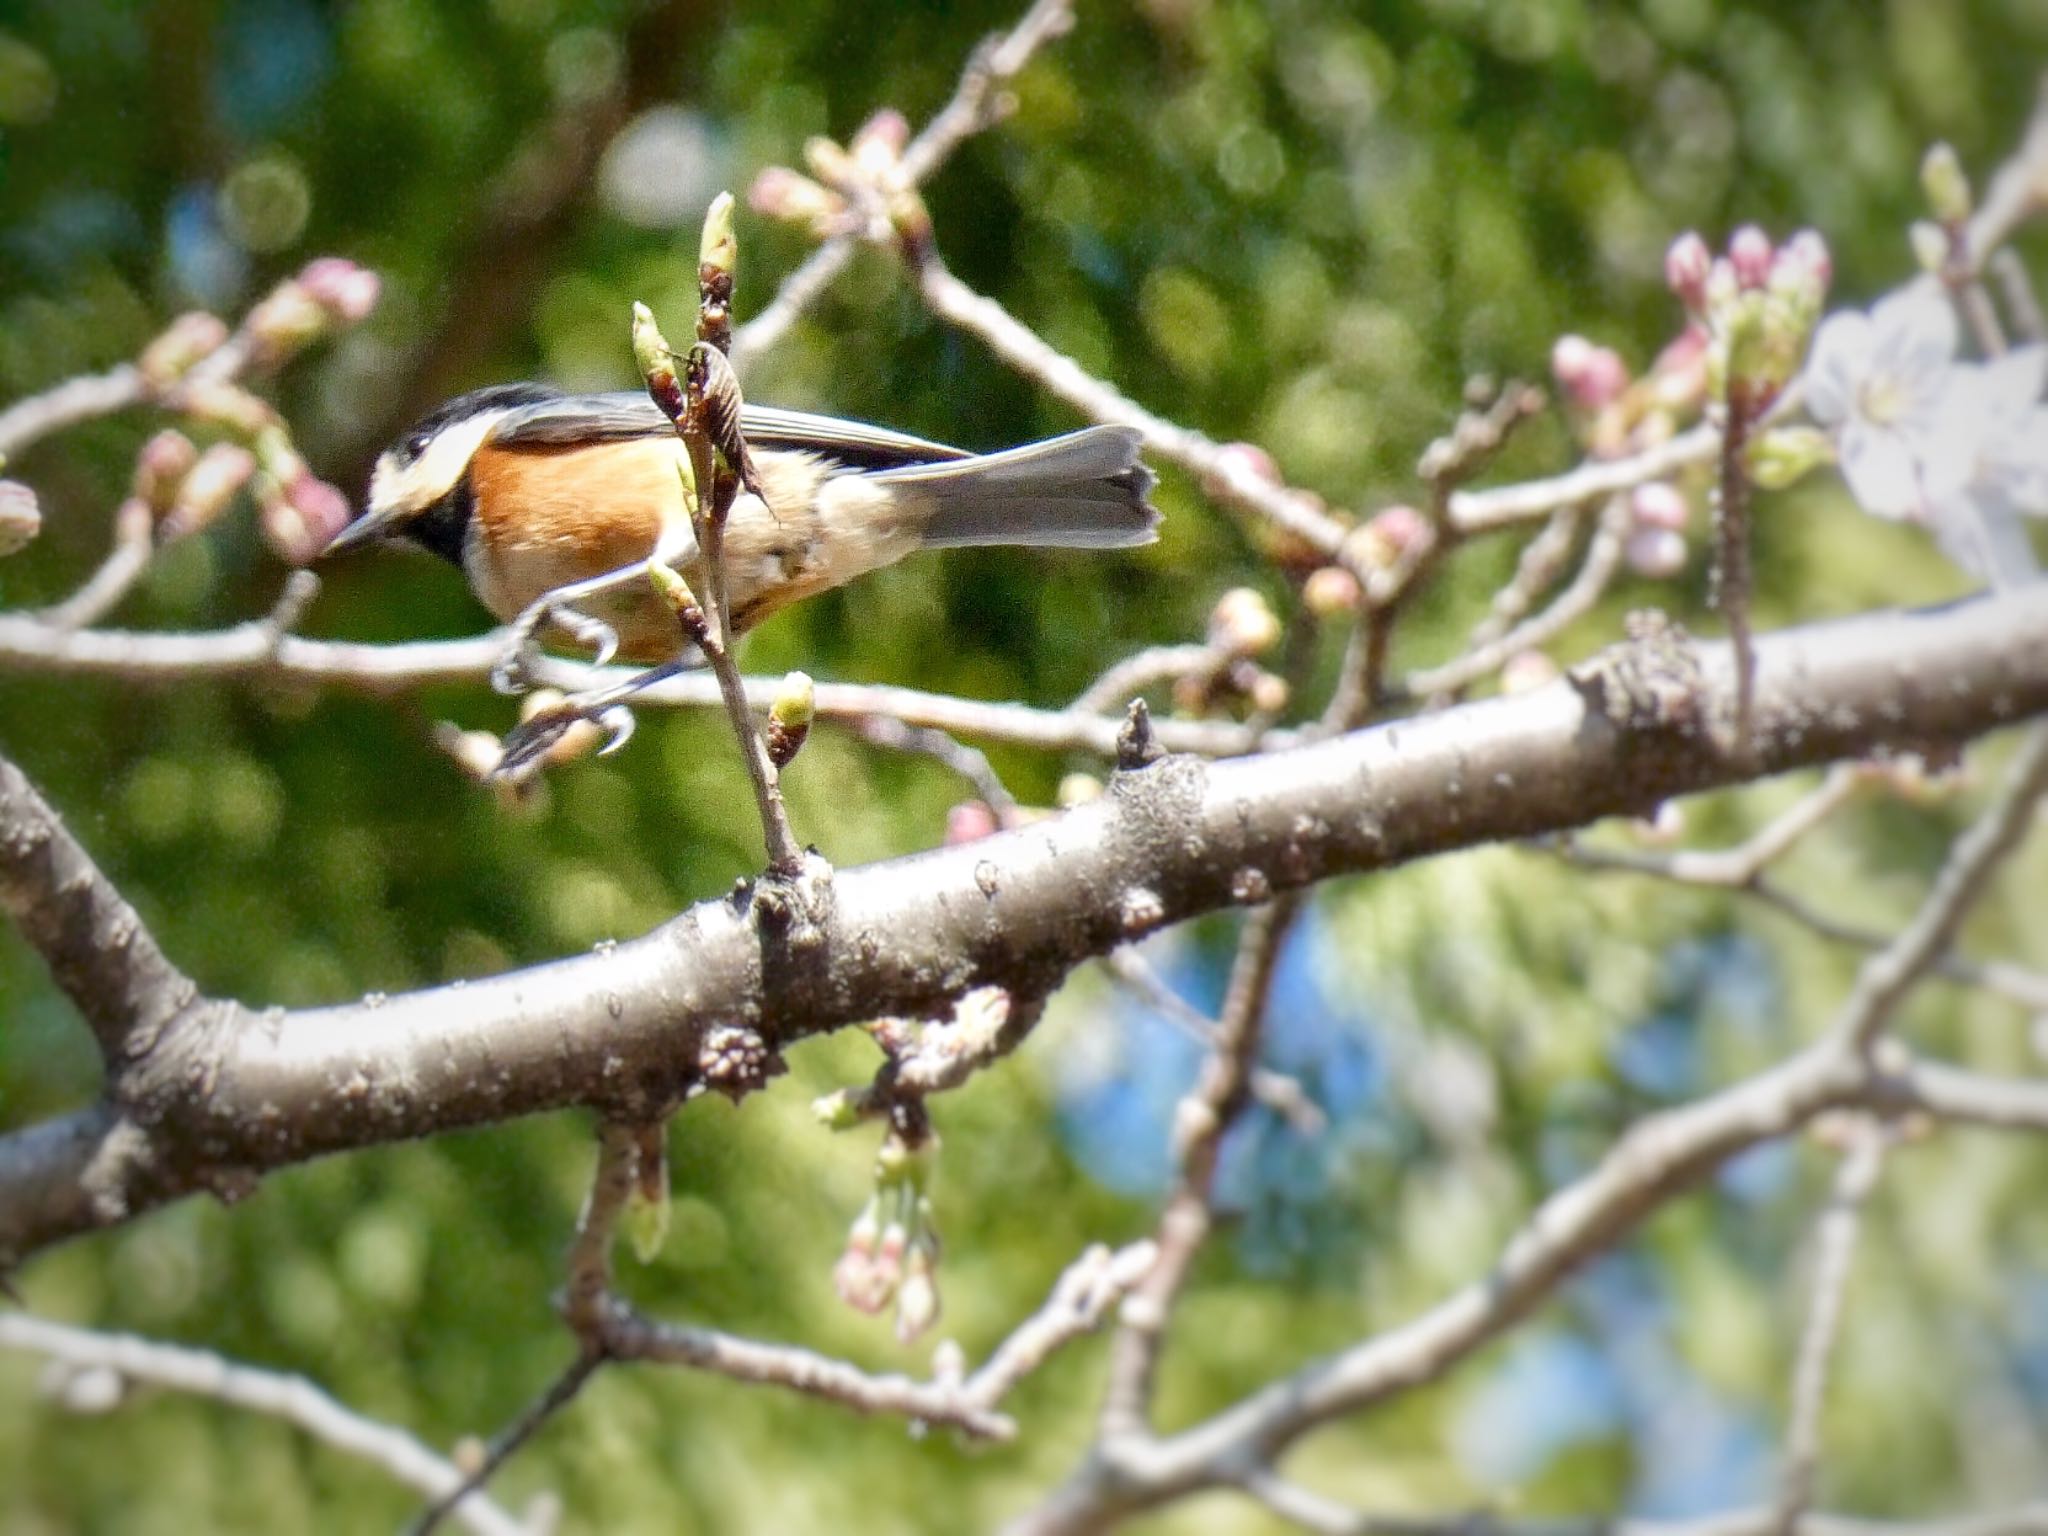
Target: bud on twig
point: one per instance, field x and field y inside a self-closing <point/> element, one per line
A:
<point x="20" y="518"/>
<point x="161" y="467"/>
<point x="675" y="591"/>
<point x="718" y="255"/>
<point x="192" y="336"/>
<point x="789" y="718"/>
<point x="716" y="388"/>
<point x="205" y="493"/>
<point x="657" y="363"/>
<point x="1947" y="185"/>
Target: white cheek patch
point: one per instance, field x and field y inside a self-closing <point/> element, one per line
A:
<point x="400" y="491"/>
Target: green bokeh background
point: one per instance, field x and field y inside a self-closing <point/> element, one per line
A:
<point x="1305" y="224"/>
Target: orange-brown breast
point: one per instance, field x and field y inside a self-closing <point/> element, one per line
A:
<point x="547" y="516"/>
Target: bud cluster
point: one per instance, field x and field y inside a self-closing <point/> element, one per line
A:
<point x="1758" y="304"/>
<point x="858" y="189"/>
<point x="892" y="1248"/>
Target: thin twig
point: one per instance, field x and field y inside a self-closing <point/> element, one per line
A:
<point x="254" y="650"/>
<point x="973" y="107"/>
<point x="1596" y="573"/>
<point x="1210" y="1107"/>
<point x="65" y="405"/>
<point x="1835" y="1243"/>
<point x="1889" y="974"/>
<point x="969" y="762"/>
<point x="115" y="577"/>
<point x="1280" y="1093"/>
<point x="509" y="1441"/>
<point x="293" y="1399"/>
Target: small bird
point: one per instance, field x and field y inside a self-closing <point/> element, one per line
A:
<point x="552" y="504"/>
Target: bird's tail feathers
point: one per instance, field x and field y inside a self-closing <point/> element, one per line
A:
<point x="1082" y="491"/>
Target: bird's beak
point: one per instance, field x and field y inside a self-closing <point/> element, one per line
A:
<point x="363" y="529"/>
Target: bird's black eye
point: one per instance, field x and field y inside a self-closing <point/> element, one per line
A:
<point x="417" y="443"/>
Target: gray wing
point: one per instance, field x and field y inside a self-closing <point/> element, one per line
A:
<point x="626" y="413"/>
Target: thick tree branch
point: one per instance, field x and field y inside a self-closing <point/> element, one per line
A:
<point x="708" y="1000"/>
<point x="95" y="945"/>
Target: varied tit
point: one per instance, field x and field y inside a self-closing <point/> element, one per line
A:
<point x="552" y="503"/>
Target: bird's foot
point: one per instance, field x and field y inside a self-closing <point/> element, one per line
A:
<point x="518" y="666"/>
<point x="545" y="733"/>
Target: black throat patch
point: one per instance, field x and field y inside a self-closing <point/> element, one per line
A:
<point x="444" y="526"/>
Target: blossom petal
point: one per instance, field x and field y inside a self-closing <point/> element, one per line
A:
<point x="2015" y="462"/>
<point x="1841" y="357"/>
<point x="1983" y="535"/>
<point x="1916" y="330"/>
<point x="2012" y="383"/>
<point x="1883" y="474"/>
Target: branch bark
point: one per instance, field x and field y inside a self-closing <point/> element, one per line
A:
<point x="710" y="998"/>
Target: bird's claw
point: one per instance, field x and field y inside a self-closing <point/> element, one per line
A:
<point x="617" y="723"/>
<point x="518" y="667"/>
<point x="595" y="633"/>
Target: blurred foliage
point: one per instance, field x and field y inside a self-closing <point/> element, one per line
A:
<point x="1303" y="223"/>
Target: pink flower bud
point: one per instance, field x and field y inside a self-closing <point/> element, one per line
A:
<point x="20" y="518"/>
<point x="161" y="467"/>
<point x="183" y="342"/>
<point x="1329" y="591"/>
<point x="1594" y="376"/>
<point x="1750" y="253"/>
<point x="1808" y="254"/>
<point x="1400" y="527"/>
<point x="301" y="517"/>
<point x="881" y="140"/>
<point x="1686" y="265"/>
<point x="284" y="322"/>
<point x="1658" y="553"/>
<point x="781" y="193"/>
<point x="1660" y="504"/>
<point x="347" y="292"/>
<point x="969" y="821"/>
<point x="1527" y="671"/>
<point x="206" y="492"/>
<point x="1241" y="623"/>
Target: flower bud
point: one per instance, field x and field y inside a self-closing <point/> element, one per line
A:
<point x="1783" y="455"/>
<point x="222" y="470"/>
<point x="1678" y="378"/>
<point x="1330" y="592"/>
<point x="675" y="591"/>
<point x="657" y="363"/>
<point x="917" y="1303"/>
<point x="1806" y="256"/>
<point x="1659" y="504"/>
<point x="301" y="516"/>
<point x="880" y="141"/>
<point x="1267" y="693"/>
<point x="1527" y="671"/>
<point x="969" y="821"/>
<point x="283" y="323"/>
<point x="1592" y="376"/>
<point x="1657" y="553"/>
<point x="1242" y="624"/>
<point x="718" y="249"/>
<point x="229" y="406"/>
<point x="1946" y="184"/>
<point x="647" y="1220"/>
<point x="192" y="336"/>
<point x="1931" y="245"/>
<point x="830" y="163"/>
<point x="20" y="518"/>
<point x="345" y="291"/>
<point x="789" y="718"/>
<point x="1686" y="265"/>
<point x="161" y="467"/>
<point x="1750" y="255"/>
<point x="780" y="193"/>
